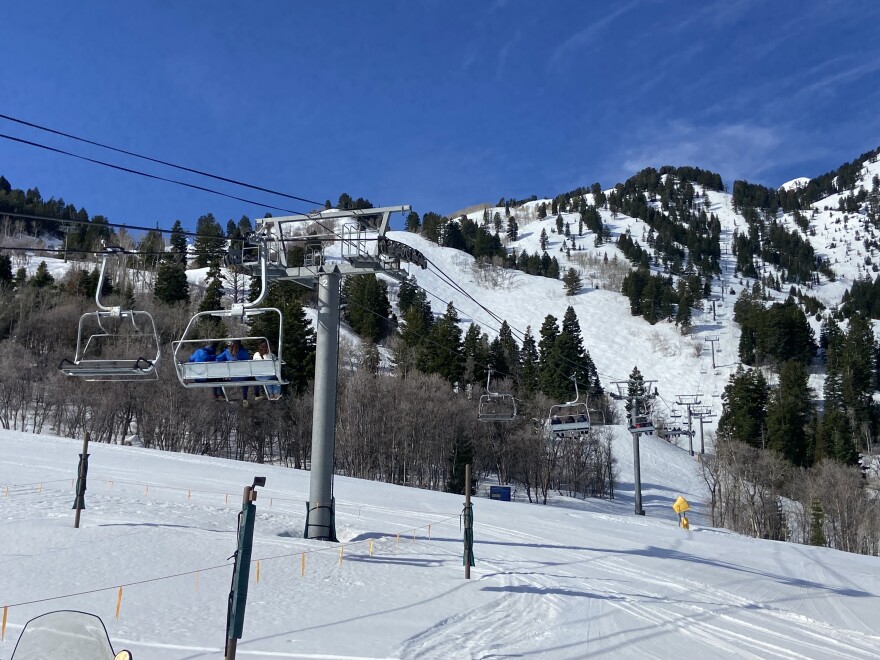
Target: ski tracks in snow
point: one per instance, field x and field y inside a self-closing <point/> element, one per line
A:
<point x="548" y="591"/>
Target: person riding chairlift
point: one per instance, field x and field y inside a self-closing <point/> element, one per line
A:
<point x="234" y="351"/>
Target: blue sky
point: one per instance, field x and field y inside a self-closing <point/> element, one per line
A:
<point x="436" y="103"/>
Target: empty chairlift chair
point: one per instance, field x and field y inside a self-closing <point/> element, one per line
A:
<point x="114" y="344"/>
<point x="496" y="407"/>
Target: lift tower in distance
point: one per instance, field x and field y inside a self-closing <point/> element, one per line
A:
<point x="363" y="249"/>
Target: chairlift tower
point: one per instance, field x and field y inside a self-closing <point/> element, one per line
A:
<point x="689" y="401"/>
<point x="703" y="413"/>
<point x="638" y="425"/>
<point x="364" y="249"/>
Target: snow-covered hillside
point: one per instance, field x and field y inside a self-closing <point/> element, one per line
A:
<point x="579" y="579"/>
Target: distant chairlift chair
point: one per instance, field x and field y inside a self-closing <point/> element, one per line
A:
<point x="235" y="373"/>
<point x="114" y="344"/>
<point x="496" y="407"/>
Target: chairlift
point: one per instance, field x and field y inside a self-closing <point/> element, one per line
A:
<point x="569" y="419"/>
<point x="641" y="422"/>
<point x="232" y="373"/>
<point x="114" y="344"/>
<point x="494" y="406"/>
<point x="596" y="415"/>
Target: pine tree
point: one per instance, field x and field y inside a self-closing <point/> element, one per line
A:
<point x="788" y="412"/>
<point x="5" y="270"/>
<point x="209" y="244"/>
<point x="42" y="277"/>
<point x="171" y="283"/>
<point x="413" y="222"/>
<point x="636" y="389"/>
<point x="443" y="353"/>
<point x="476" y="355"/>
<point x="178" y="242"/>
<point x="528" y="356"/>
<point x="543" y="239"/>
<point x="744" y="413"/>
<point x="554" y="372"/>
<point x="817" y="523"/>
<point x="367" y="308"/>
<point x="572" y="282"/>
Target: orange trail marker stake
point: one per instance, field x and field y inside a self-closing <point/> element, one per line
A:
<point x="398" y="540"/>
<point x="6" y="492"/>
<point x="414" y="536"/>
<point x="146" y="490"/>
<point x="340" y="553"/>
<point x="3" y="625"/>
<point x="40" y="489"/>
<point x="371" y="548"/>
<point x="258" y="571"/>
<point x="303" y="564"/>
<point x="197" y="580"/>
<point x="118" y="602"/>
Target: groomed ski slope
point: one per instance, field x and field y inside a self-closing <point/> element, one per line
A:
<point x="571" y="580"/>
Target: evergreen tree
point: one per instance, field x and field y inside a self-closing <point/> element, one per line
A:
<point x="744" y="412"/>
<point x="413" y="222"/>
<point x="817" y="523"/>
<point x="543" y="239"/>
<point x="443" y="354"/>
<point x="572" y="282"/>
<point x="509" y="353"/>
<point x="529" y="361"/>
<point x="209" y="244"/>
<point x="476" y="355"/>
<point x="788" y="413"/>
<point x="178" y="242"/>
<point x="636" y="389"/>
<point x="462" y="456"/>
<point x="171" y="283"/>
<point x="554" y="372"/>
<point x="42" y="277"/>
<point x="5" y="270"/>
<point x="367" y="308"/>
<point x="512" y="228"/>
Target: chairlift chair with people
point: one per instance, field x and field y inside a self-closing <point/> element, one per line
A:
<point x="569" y="419"/>
<point x="112" y="343"/>
<point x="494" y="406"/>
<point x="264" y="373"/>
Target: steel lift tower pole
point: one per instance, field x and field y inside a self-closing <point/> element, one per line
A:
<point x="320" y="516"/>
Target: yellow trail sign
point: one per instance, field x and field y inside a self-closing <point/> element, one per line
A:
<point x="681" y="505"/>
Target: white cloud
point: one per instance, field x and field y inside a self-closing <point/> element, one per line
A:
<point x="584" y="36"/>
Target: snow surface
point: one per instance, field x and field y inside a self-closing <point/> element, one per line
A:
<point x="578" y="579"/>
<point x="794" y="184"/>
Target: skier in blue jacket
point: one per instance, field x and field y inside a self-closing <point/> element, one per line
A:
<point x="234" y="351"/>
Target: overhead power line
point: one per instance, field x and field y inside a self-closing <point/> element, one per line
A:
<point x="159" y="161"/>
<point x="147" y="175"/>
